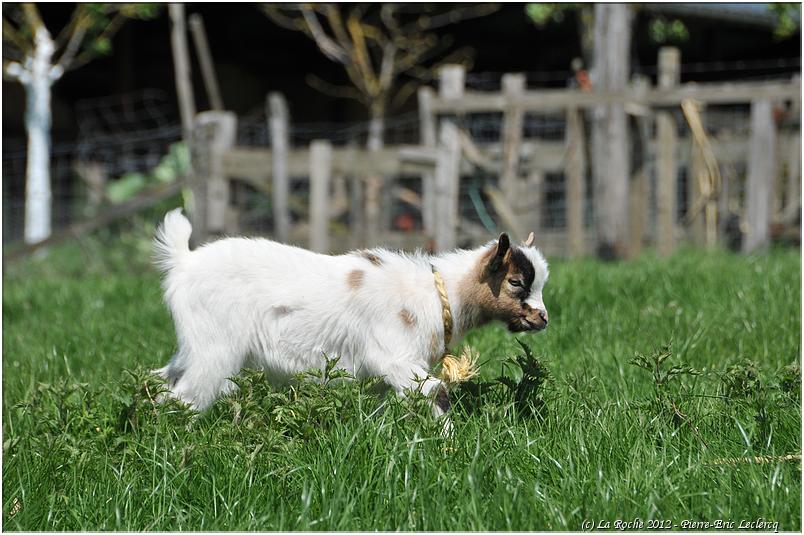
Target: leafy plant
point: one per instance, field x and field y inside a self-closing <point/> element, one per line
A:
<point x="666" y="382"/>
<point x="522" y="389"/>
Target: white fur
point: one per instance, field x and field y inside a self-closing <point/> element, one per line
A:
<point x="253" y="302"/>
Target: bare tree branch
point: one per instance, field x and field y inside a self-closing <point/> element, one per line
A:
<point x="456" y="15"/>
<point x="338" y="91"/>
<point x="361" y="55"/>
<point x="79" y="30"/>
<point x="12" y="36"/>
<point x="32" y="17"/>
<point x="335" y="21"/>
<point x="327" y="45"/>
<point x="87" y="55"/>
<point x="373" y="45"/>
<point x="280" y="19"/>
<point x="77" y="16"/>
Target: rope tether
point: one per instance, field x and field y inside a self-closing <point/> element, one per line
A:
<point x="453" y="369"/>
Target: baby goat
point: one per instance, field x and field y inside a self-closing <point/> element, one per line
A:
<point x="238" y="302"/>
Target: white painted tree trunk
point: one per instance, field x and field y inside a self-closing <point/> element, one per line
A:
<point x="373" y="181"/>
<point x="37" y="124"/>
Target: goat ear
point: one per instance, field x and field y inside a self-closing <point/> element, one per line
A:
<point x="530" y="240"/>
<point x="502" y="247"/>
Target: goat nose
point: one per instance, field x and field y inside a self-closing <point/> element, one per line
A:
<point x="543" y="315"/>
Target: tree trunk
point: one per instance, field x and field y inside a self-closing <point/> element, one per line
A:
<point x="374" y="182"/>
<point x="37" y="125"/>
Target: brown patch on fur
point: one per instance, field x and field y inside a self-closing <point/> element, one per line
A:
<point x="371" y="257"/>
<point x="355" y="278"/>
<point x="407" y="317"/>
<point x="282" y="310"/>
<point x="435" y="345"/>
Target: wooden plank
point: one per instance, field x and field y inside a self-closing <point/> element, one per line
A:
<point x="451" y="80"/>
<point x="447" y="182"/>
<point x="222" y="139"/>
<point x="205" y="59"/>
<point x="427" y="138"/>
<point x="181" y="68"/>
<point x="610" y="148"/>
<point x="320" y="173"/>
<point x="792" y="206"/>
<point x="666" y="170"/>
<point x="638" y="189"/>
<point x="761" y="170"/>
<point x="545" y="156"/>
<point x="696" y="171"/>
<point x="278" y="119"/>
<point x="513" y="86"/>
<point x="561" y="99"/>
<point x="576" y="182"/>
<point x="212" y="131"/>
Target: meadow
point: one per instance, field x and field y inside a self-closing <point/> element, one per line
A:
<point x="651" y="373"/>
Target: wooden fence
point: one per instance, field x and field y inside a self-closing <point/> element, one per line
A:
<point x="445" y="152"/>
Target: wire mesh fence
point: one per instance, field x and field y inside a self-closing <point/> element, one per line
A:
<point x="132" y="132"/>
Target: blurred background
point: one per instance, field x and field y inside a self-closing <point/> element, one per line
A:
<point x="605" y="129"/>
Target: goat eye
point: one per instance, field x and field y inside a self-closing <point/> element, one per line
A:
<point x="515" y="282"/>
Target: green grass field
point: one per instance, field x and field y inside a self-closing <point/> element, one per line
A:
<point x="600" y="439"/>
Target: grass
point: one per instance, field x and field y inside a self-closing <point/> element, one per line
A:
<point x="650" y="371"/>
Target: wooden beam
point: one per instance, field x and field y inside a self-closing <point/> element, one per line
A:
<point x="638" y="193"/>
<point x="205" y="59"/>
<point x="224" y="137"/>
<point x="666" y="170"/>
<point x="561" y="99"/>
<point x="181" y="67"/>
<point x="447" y="182"/>
<point x="761" y="172"/>
<point x="576" y="182"/>
<point x="610" y="147"/>
<point x="320" y="175"/>
<point x="513" y="86"/>
<point x="427" y="138"/>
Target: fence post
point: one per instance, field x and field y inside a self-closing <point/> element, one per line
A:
<point x="427" y="137"/>
<point x="792" y="203"/>
<point x="451" y="81"/>
<point x="666" y="171"/>
<point x="609" y="129"/>
<point x="696" y="170"/>
<point x="576" y="183"/>
<point x="447" y="183"/>
<point x="761" y="172"/>
<point x="205" y="59"/>
<point x="214" y="132"/>
<point x="638" y="189"/>
<point x="513" y="86"/>
<point x="320" y="172"/>
<point x="280" y="145"/>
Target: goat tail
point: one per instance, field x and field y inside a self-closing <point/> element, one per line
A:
<point x="172" y="240"/>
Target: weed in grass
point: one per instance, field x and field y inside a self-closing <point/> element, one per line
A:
<point x="667" y="384"/>
<point x="521" y="390"/>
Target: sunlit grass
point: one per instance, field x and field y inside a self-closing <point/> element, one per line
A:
<point x="86" y="448"/>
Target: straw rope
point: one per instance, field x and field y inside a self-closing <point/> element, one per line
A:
<point x="453" y="369"/>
